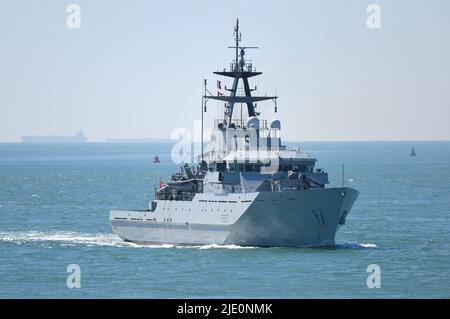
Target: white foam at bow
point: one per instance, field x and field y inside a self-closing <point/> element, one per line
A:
<point x="356" y="245"/>
<point x="225" y="247"/>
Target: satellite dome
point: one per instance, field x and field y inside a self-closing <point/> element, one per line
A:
<point x="276" y="124"/>
<point x="253" y="122"/>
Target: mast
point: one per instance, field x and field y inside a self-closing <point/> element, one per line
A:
<point x="240" y="69"/>
<point x="237" y="37"/>
<point x="202" y="120"/>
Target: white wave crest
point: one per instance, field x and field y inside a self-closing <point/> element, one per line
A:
<point x="356" y="246"/>
<point x="368" y="245"/>
<point x="215" y="246"/>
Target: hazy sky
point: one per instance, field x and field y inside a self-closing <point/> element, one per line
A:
<point x="136" y="68"/>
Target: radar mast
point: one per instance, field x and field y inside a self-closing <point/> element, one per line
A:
<point x="239" y="69"/>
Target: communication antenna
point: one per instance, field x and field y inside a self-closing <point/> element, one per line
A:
<point x="203" y="110"/>
<point x="238" y="38"/>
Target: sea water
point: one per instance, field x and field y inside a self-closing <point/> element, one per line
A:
<point x="55" y="202"/>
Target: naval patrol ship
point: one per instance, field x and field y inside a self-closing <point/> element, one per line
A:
<point x="247" y="189"/>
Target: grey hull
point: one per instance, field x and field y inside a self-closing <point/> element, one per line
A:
<point x="286" y="219"/>
<point x="175" y="234"/>
<point x="304" y="218"/>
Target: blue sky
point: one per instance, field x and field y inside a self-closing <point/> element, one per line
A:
<point x="136" y="68"/>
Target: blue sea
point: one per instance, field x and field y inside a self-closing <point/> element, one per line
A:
<point x="55" y="201"/>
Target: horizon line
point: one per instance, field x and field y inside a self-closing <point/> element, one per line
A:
<point x="164" y="140"/>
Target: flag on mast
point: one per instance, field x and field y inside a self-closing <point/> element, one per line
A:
<point x="219" y="88"/>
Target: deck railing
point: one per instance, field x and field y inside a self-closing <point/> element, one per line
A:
<point x="184" y="196"/>
<point x="240" y="123"/>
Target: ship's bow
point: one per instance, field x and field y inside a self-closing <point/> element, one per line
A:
<point x="294" y="218"/>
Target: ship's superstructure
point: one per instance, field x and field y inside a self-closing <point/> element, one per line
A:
<point x="248" y="188"/>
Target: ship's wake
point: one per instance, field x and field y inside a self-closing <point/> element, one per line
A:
<point x="69" y="238"/>
<point x="64" y="238"/>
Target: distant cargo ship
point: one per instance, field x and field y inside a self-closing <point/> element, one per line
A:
<point x="78" y="137"/>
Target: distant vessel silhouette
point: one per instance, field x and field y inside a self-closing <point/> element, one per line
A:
<point x="413" y="152"/>
<point x="156" y="159"/>
<point x="78" y="137"/>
